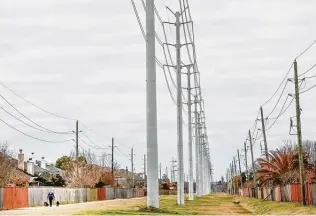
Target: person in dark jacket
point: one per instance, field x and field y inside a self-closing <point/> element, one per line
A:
<point x="51" y="197"/>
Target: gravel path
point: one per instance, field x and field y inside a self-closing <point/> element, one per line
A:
<point x="72" y="209"/>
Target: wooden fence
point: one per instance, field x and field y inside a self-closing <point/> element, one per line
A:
<point x="288" y="193"/>
<point x="15" y="197"/>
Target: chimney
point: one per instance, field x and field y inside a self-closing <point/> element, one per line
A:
<point x="43" y="163"/>
<point x="30" y="167"/>
<point x="21" y="160"/>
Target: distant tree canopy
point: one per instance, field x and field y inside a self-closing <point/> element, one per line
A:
<point x="64" y="160"/>
<point x="60" y="162"/>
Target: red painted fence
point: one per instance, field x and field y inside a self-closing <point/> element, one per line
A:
<point x="289" y="193"/>
<point x="15" y="198"/>
<point x="101" y="192"/>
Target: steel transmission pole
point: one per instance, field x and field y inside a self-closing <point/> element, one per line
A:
<point x="264" y="135"/>
<point x="200" y="154"/>
<point x="197" y="138"/>
<point x="180" y="177"/>
<point x="299" y="133"/>
<point x="191" y="195"/>
<point x="151" y="108"/>
<point x="253" y="165"/>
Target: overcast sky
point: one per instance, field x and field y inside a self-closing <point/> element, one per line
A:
<point x="85" y="59"/>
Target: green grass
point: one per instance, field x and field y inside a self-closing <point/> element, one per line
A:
<point x="273" y="207"/>
<point x="168" y="206"/>
<point x="215" y="204"/>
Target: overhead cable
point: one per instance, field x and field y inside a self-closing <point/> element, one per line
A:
<point x="68" y="132"/>
<point x="33" y="137"/>
<point x="29" y="102"/>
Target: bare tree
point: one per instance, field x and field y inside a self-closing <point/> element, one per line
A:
<point x="88" y="170"/>
<point x="9" y="174"/>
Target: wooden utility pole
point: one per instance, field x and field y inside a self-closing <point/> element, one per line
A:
<point x="77" y="140"/>
<point x="235" y="172"/>
<point x="160" y="173"/>
<point x="299" y="133"/>
<point x="232" y="177"/>
<point x="132" y="166"/>
<point x="145" y="175"/>
<point x="264" y="135"/>
<point x="112" y="164"/>
<point x="246" y="160"/>
<point x="253" y="165"/>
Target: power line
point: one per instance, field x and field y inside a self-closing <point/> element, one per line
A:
<point x="138" y="19"/>
<point x="121" y="152"/>
<point x="30" y="136"/>
<point x="281" y="112"/>
<point x="31" y="119"/>
<point x="310" y="77"/>
<point x="256" y="122"/>
<point x="311" y="68"/>
<point x="92" y="141"/>
<point x="92" y="146"/>
<point x="169" y="89"/>
<point x="29" y="102"/>
<point x="278" y="100"/>
<point x="308" y="89"/>
<point x="20" y="120"/>
<point x="306" y="49"/>
<point x="285" y="77"/>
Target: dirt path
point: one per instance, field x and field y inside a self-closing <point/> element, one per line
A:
<point x="72" y="209"/>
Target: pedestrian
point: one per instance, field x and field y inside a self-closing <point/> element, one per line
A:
<point x="51" y="197"/>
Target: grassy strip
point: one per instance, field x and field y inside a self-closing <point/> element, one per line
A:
<point x="215" y="204"/>
<point x="258" y="206"/>
<point x="206" y="205"/>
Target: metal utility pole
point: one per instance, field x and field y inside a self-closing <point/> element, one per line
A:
<point x="132" y="166"/>
<point x="171" y="174"/>
<point x="112" y="158"/>
<point x="235" y="172"/>
<point x="253" y="165"/>
<point x="235" y="167"/>
<point x="232" y="177"/>
<point x="151" y="108"/>
<point x="77" y="140"/>
<point x="190" y="181"/>
<point x="180" y="186"/>
<point x="246" y="162"/>
<point x="239" y="168"/>
<point x="299" y="132"/>
<point x="145" y="175"/>
<point x="166" y="171"/>
<point x="173" y="170"/>
<point x="160" y="173"/>
<point x="197" y="139"/>
<point x="264" y="135"/>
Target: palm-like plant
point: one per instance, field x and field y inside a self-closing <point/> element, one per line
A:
<point x="282" y="167"/>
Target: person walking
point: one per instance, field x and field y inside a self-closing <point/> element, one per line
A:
<point x="51" y="197"/>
